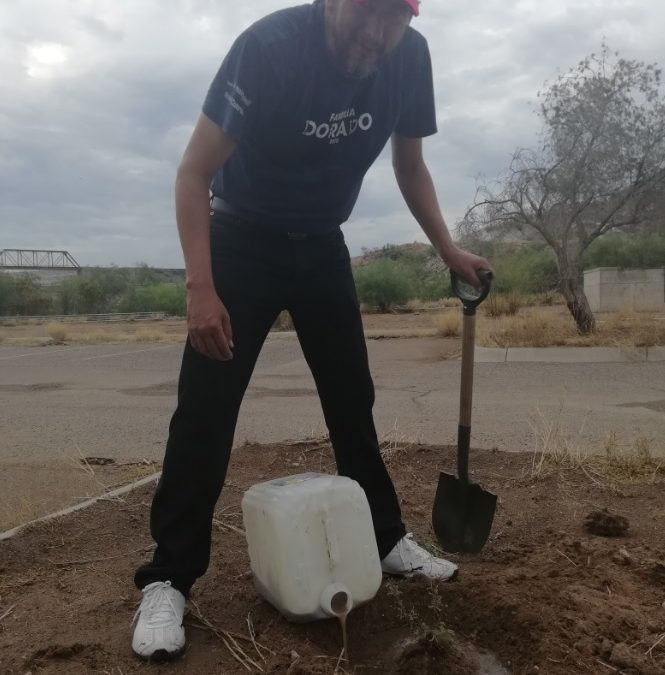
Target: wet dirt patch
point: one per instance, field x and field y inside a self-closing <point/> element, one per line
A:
<point x="606" y="524"/>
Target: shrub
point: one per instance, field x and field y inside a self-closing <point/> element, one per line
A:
<point x="624" y="249"/>
<point x="22" y="294"/>
<point x="169" y="298"/>
<point x="384" y="284"/>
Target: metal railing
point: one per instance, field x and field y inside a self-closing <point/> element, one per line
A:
<point x="74" y="318"/>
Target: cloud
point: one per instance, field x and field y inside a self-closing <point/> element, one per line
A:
<point x="100" y="96"/>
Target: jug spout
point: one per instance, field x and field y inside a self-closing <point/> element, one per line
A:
<point x="336" y="600"/>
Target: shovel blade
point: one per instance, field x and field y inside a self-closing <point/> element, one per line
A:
<point x="462" y="515"/>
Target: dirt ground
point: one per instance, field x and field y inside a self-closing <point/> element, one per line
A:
<point x="544" y="596"/>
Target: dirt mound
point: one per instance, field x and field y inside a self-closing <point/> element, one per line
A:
<point x="543" y="596"/>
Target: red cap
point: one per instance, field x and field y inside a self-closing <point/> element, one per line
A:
<point x="413" y="5"/>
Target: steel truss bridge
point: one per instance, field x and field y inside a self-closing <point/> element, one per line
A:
<point x="18" y="258"/>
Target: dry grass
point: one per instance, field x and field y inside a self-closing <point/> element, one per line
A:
<point x="554" y="326"/>
<point x="637" y="459"/>
<point x="2" y="338"/>
<point x="448" y="324"/>
<point x="532" y="328"/>
<point x="57" y="332"/>
<point x="502" y="305"/>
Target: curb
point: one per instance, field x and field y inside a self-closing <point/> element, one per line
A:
<point x="83" y="505"/>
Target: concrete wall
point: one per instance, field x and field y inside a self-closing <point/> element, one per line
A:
<point x="611" y="288"/>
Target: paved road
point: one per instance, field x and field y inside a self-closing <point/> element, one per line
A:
<point x="116" y="400"/>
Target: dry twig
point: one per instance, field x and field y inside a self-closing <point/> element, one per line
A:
<point x="566" y="557"/>
<point x="655" y="644"/>
<point x="238" y="653"/>
<point x="8" y="612"/>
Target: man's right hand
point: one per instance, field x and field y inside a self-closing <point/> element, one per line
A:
<point x="209" y="324"/>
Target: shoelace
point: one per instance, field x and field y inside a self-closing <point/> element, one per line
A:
<point x="159" y="608"/>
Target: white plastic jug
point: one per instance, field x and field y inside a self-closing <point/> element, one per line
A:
<point x="311" y="545"/>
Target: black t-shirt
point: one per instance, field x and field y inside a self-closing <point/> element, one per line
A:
<point x="306" y="134"/>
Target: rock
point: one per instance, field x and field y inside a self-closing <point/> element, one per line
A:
<point x="622" y="557"/>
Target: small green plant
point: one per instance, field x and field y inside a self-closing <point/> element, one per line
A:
<point x="441" y="637"/>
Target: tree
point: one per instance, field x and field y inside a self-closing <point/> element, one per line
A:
<point x="599" y="166"/>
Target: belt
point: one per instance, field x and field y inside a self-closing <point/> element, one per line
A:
<point x="218" y="205"/>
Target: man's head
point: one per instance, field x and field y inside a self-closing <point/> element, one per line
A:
<point x="360" y="33"/>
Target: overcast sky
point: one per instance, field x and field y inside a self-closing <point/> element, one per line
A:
<point x="98" y="98"/>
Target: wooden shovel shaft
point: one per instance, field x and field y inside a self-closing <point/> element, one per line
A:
<point x="466" y="394"/>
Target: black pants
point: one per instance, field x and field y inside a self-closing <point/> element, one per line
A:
<point x="257" y="276"/>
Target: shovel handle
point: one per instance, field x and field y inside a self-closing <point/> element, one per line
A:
<point x="466" y="395"/>
<point x="470" y="298"/>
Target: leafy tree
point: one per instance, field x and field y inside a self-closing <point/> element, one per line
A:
<point x="599" y="166"/>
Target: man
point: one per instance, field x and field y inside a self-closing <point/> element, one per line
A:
<point x="300" y="109"/>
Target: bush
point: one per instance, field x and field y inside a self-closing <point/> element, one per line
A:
<point x="96" y="291"/>
<point x="384" y="284"/>
<point x="624" y="250"/>
<point x="528" y="269"/>
<point x="22" y="294"/>
<point x="169" y="298"/>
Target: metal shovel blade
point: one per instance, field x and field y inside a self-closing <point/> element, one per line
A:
<point x="462" y="514"/>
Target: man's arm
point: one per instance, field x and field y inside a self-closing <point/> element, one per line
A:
<point x="208" y="322"/>
<point x="415" y="183"/>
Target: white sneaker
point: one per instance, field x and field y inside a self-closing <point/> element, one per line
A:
<point x="159" y="634"/>
<point x="409" y="559"/>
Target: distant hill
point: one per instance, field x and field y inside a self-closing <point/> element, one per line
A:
<point x="415" y="252"/>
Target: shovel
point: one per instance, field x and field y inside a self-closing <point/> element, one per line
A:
<point x="463" y="512"/>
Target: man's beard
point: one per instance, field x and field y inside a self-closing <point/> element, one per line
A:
<point x="357" y="62"/>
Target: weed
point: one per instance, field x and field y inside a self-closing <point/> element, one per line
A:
<point x="57" y="332"/>
<point x="448" y="324"/>
<point x="441" y="637"/>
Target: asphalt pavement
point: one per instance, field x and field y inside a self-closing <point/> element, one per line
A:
<point x="116" y="400"/>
